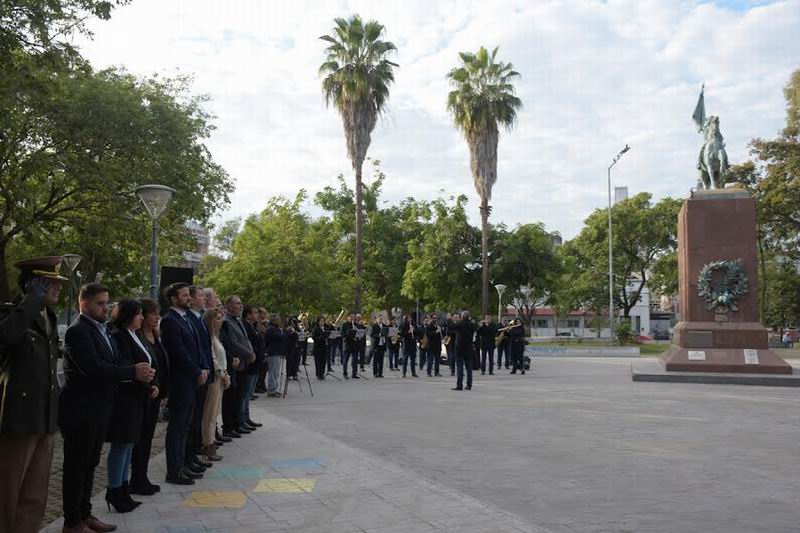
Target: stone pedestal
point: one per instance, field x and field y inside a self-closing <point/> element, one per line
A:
<point x="716" y="225"/>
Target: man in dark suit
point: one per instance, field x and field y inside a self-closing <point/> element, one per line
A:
<point x="28" y="394"/>
<point x="91" y="375"/>
<point x="465" y="333"/>
<point x="348" y="331"/>
<point x="487" y="331"/>
<point x="239" y="353"/>
<point x="197" y="303"/>
<point x="186" y="375"/>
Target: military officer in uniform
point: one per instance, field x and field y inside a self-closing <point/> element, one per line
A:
<point x="28" y="394"/>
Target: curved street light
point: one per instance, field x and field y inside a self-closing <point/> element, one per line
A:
<point x="610" y="252"/>
<point x="500" y="290"/>
<point x="155" y="199"/>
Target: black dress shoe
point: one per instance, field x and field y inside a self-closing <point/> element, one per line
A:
<point x="356" y="376"/>
<point x="414" y="375"/>
<point x="197" y="470"/>
<point x="468" y="388"/>
<point x="180" y="479"/>
<point x="230" y="435"/>
<point x="204" y="464"/>
<point x="143" y="490"/>
<point x="188" y="473"/>
<point x="253" y="397"/>
<point x="457" y="388"/>
<point x="243" y="429"/>
<point x="254" y="424"/>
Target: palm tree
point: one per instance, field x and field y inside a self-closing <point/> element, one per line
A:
<point x="356" y="81"/>
<point x="483" y="98"/>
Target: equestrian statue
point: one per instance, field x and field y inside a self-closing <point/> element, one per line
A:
<point x="713" y="160"/>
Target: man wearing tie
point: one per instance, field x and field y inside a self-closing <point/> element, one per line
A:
<point x="197" y="304"/>
<point x="186" y="375"/>
<point x="91" y="374"/>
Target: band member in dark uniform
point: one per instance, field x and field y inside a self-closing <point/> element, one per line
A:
<point x="379" y="347"/>
<point x="450" y="344"/>
<point x="434" y="333"/>
<point x="293" y="344"/>
<point x="517" y="343"/>
<point x="394" y="345"/>
<point x="422" y="341"/>
<point x="320" y="336"/>
<point x="486" y="333"/>
<point x="503" y="346"/>
<point x="407" y="331"/>
<point x="361" y="341"/>
<point x="465" y="334"/>
<point x="350" y="349"/>
<point x="333" y="338"/>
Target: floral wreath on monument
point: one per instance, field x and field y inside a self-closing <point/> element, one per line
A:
<point x="728" y="289"/>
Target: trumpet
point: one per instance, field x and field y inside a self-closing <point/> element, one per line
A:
<point x="446" y="340"/>
<point x="338" y="319"/>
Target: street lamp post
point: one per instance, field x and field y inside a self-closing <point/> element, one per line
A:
<point x="155" y="199"/>
<point x="500" y="290"/>
<point x="610" y="252"/>
<point x="71" y="260"/>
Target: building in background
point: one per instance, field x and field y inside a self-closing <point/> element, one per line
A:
<point x="192" y="258"/>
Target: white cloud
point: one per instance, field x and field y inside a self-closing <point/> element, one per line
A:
<point x="595" y="75"/>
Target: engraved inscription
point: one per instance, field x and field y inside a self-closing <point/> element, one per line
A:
<point x="697" y="355"/>
<point x="699" y="339"/>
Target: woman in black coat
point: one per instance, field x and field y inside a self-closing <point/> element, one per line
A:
<point x="130" y="402"/>
<point x="149" y="335"/>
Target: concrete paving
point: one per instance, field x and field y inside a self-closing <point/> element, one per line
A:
<point x="573" y="446"/>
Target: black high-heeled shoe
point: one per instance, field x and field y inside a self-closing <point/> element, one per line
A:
<point x="116" y="498"/>
<point x="126" y="492"/>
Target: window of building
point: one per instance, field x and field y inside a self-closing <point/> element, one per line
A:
<point x="541" y="323"/>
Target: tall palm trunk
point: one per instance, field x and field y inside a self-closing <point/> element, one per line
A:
<point x="485" y="210"/>
<point x="359" y="274"/>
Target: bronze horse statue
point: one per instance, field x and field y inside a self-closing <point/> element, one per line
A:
<point x="713" y="160"/>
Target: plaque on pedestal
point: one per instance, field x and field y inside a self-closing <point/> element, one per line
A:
<point x="718" y="288"/>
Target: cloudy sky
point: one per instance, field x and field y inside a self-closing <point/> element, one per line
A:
<point x="595" y="76"/>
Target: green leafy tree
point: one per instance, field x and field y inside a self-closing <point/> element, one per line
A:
<point x="386" y="233"/>
<point x="356" y="80"/>
<point x="783" y="301"/>
<point x="483" y="99"/>
<point x="36" y="26"/>
<point x="75" y="145"/>
<point x="282" y="260"/>
<point x="527" y="258"/>
<point x="643" y="234"/>
<point x="443" y="269"/>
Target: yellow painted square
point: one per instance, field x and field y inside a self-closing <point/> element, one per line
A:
<point x="286" y="485"/>
<point x="208" y="498"/>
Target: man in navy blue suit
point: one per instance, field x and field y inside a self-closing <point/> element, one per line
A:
<point x="186" y="375"/>
<point x="197" y="303"/>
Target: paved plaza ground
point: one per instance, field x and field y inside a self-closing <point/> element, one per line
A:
<point x="573" y="446"/>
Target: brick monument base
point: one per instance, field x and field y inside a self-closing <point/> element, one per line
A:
<point x="719" y="225"/>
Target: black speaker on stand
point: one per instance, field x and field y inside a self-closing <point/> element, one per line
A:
<point x="170" y="275"/>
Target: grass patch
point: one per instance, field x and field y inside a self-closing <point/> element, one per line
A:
<point x="652" y="350"/>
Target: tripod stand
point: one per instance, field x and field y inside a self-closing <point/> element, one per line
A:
<point x="286" y="382"/>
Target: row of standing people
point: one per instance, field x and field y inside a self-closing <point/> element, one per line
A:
<point x="406" y="341"/>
